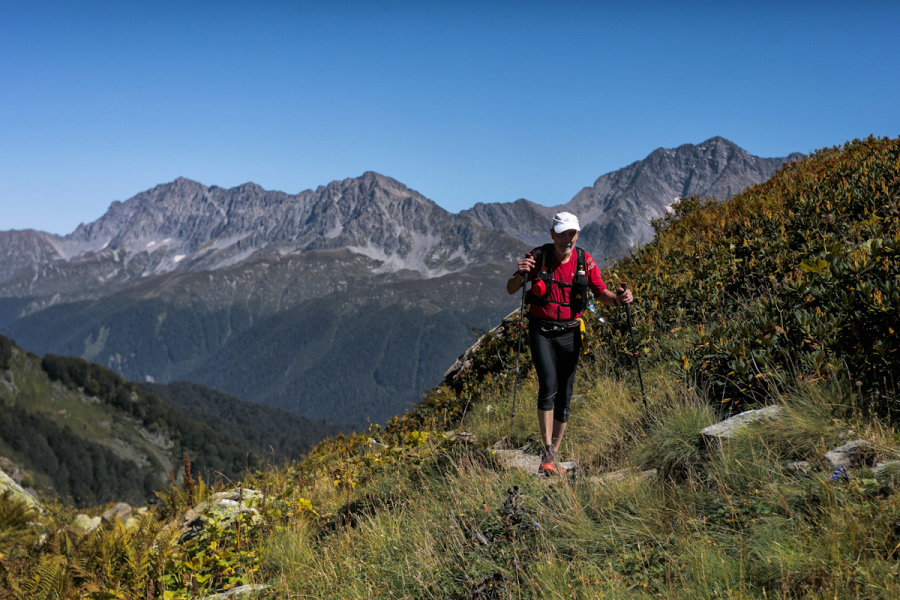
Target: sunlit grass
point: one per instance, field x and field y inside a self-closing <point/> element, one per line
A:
<point x="724" y="520"/>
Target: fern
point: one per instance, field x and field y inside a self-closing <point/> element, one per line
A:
<point x="14" y="519"/>
<point x="50" y="580"/>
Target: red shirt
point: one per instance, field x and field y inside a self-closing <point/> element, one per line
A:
<point x="565" y="273"/>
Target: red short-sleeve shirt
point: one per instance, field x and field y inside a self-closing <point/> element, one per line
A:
<point x="566" y="273"/>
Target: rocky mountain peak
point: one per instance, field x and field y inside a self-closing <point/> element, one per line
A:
<point x="616" y="211"/>
<point x="186" y="226"/>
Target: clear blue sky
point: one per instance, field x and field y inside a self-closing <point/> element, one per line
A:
<point x="463" y="101"/>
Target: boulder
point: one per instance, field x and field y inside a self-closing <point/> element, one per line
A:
<point x="120" y="511"/>
<point x="729" y="427"/>
<point x="236" y="592"/>
<point x="374" y="445"/>
<point x="17" y="492"/>
<point x="13" y="470"/>
<point x="623" y="475"/>
<point x="520" y="459"/>
<point x="465" y="438"/>
<point x="502" y="444"/>
<point x="797" y="466"/>
<point x="86" y="524"/>
<point x="222" y="508"/>
<point x="852" y="455"/>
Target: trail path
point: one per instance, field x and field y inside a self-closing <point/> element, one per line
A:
<point x="521" y="459"/>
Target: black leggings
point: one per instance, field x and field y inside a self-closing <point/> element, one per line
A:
<point x="555" y="357"/>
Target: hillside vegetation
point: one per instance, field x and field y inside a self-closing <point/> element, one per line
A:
<point x="93" y="437"/>
<point x="273" y="434"/>
<point x="786" y="294"/>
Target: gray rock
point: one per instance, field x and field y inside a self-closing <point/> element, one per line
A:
<point x="17" y="492"/>
<point x="502" y="444"/>
<point x="121" y="511"/>
<point x="465" y="437"/>
<point x="729" y="427"/>
<point x="238" y="591"/>
<point x="624" y="475"/>
<point x="223" y="507"/>
<point x="519" y="459"/>
<point x="8" y="380"/>
<point x="478" y="537"/>
<point x="851" y="455"/>
<point x="86" y="524"/>
<point x="13" y="470"/>
<point x="374" y="445"/>
<point x="797" y="466"/>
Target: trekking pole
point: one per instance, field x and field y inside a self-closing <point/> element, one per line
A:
<point x="634" y="346"/>
<point x="519" y="346"/>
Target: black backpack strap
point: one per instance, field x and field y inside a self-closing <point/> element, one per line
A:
<point x="546" y="250"/>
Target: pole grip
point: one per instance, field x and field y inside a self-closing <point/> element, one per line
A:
<point x="527" y="255"/>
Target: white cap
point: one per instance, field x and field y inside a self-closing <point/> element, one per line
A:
<point x="565" y="221"/>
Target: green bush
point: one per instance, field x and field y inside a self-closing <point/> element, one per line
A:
<point x="796" y="277"/>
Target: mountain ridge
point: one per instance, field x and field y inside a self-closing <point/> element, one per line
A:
<point x="616" y="211"/>
<point x="186" y="226"/>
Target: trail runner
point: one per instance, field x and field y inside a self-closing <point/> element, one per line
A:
<point x="553" y="329"/>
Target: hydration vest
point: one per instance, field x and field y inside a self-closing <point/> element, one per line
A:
<point x="539" y="295"/>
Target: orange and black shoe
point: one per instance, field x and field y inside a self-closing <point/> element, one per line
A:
<point x="550" y="466"/>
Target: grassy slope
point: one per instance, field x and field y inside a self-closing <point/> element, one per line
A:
<point x="427" y="517"/>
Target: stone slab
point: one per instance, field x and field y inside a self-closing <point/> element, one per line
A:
<point x="729" y="427"/>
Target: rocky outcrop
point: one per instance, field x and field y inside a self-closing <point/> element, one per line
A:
<point x="729" y="427"/>
<point x="221" y="508"/>
<point x="856" y="454"/>
<point x="122" y="512"/>
<point x="852" y="455"/>
<point x="85" y="523"/>
<point x="522" y="458"/>
<point x="18" y="493"/>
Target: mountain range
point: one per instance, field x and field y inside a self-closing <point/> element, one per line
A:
<point x="339" y="303"/>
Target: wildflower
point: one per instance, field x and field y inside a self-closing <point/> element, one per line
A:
<point x="840" y="474"/>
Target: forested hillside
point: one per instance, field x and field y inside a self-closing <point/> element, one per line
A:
<point x="95" y="437"/>
<point x="275" y="435"/>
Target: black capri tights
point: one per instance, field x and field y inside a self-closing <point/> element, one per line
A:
<point x="555" y="358"/>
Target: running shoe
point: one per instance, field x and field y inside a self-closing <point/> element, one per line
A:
<point x="550" y="466"/>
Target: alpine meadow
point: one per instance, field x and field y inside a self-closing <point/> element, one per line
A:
<point x="783" y="300"/>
